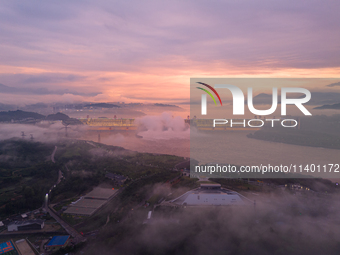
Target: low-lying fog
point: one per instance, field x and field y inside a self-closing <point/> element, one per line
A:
<point x="281" y="223"/>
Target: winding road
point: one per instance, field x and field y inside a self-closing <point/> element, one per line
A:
<point x="53" y="153"/>
<point x="69" y="229"/>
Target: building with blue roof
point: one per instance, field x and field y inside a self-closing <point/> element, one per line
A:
<point x="57" y="242"/>
<point x="8" y="248"/>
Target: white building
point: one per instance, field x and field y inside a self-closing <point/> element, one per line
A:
<point x="211" y="194"/>
<point x="25" y="225"/>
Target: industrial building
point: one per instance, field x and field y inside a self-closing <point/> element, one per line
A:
<point x="210" y="194"/>
<point x="25" y="225"/>
<point x="57" y="242"/>
<point x="85" y="206"/>
<point x="91" y="202"/>
<point x="100" y="193"/>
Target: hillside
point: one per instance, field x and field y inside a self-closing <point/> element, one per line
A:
<point x="57" y="116"/>
<point x="329" y="106"/>
<point x="19" y="115"/>
<point x="32" y="117"/>
<point x="27" y="172"/>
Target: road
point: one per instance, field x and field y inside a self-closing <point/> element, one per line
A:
<point x="60" y="175"/>
<point x="69" y="229"/>
<point x="53" y="153"/>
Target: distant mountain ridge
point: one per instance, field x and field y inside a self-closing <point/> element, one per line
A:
<point x="57" y="116"/>
<point x="102" y="105"/>
<point x="329" y="106"/>
<point x="166" y="105"/>
<point x="41" y="91"/>
<point x="19" y="115"/>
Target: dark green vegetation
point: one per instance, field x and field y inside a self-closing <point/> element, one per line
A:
<point x="24" y="116"/>
<point x="65" y="119"/>
<point x="57" y="116"/>
<point x="89" y="162"/>
<point x="322" y="186"/>
<point x="130" y="198"/>
<point x="86" y="164"/>
<point x="316" y="131"/>
<point x="282" y="224"/>
<point x="19" y="115"/>
<point x="26" y="174"/>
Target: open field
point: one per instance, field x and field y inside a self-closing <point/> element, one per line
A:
<point x="24" y="247"/>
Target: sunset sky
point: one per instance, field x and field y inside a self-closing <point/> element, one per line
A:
<point x="146" y="51"/>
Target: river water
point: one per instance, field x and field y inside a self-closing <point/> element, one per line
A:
<point x="233" y="148"/>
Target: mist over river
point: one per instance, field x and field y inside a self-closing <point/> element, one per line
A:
<point x="235" y="148"/>
<point x="168" y="134"/>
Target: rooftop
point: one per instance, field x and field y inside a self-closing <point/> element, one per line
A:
<point x="89" y="203"/>
<point x="211" y="194"/>
<point x="6" y="247"/>
<point x="80" y="210"/>
<point x="101" y="193"/>
<point x="58" y="241"/>
<point x="26" y="222"/>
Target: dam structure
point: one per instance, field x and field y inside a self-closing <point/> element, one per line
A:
<point x="108" y="124"/>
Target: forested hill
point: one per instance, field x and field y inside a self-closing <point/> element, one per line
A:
<point x="19" y="115"/>
<point x="22" y="115"/>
